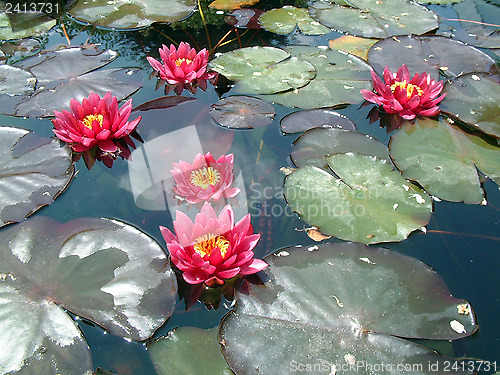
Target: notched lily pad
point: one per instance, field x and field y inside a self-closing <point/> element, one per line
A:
<point x="33" y="172"/>
<point x="129" y="14"/>
<point x="443" y="159"/>
<point x="349" y="305"/>
<point x="368" y="202"/>
<point x="242" y="112"/>
<point x="286" y="19"/>
<point x="301" y="121"/>
<point x="375" y="19"/>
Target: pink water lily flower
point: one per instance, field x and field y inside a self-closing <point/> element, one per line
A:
<point x="94" y="122"/>
<point x="205" y="180"/>
<point x="408" y="98"/>
<point x="212" y="248"/>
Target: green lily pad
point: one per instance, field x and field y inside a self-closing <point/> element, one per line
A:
<point x="473" y="99"/>
<point x="284" y="21"/>
<point x="312" y="146"/>
<point x="354" y="45"/>
<point x="33" y="172"/>
<point x="263" y="70"/>
<point x="338" y="80"/>
<point x="369" y="202"/>
<point x="188" y="350"/>
<point x="338" y="307"/>
<point x="301" y="121"/>
<point x="435" y="55"/>
<point x="375" y="19"/>
<point x="242" y="112"/>
<point x="130" y="14"/>
<point x="22" y="25"/>
<point x="443" y="159"/>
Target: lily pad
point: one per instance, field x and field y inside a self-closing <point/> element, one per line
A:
<point x="341" y="308"/>
<point x="369" y="202"/>
<point x="33" y="172"/>
<point x="443" y="159"/>
<point x="242" y="112"/>
<point x="301" y="121"/>
<point x="189" y="350"/>
<point x="263" y="70"/>
<point x="130" y="14"/>
<point x="231" y="4"/>
<point x="15" y="84"/>
<point x="312" y="146"/>
<point x="431" y="54"/>
<point x="473" y="99"/>
<point x="101" y="269"/>
<point x="73" y="73"/>
<point x="286" y="19"/>
<point x="338" y="80"/>
<point x="22" y="25"/>
<point x="375" y="19"/>
<point x="353" y="45"/>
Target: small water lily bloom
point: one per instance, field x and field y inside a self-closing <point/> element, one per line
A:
<point x="95" y="122"/>
<point x="213" y="248"/>
<point x="409" y="98"/>
<point x="205" y="180"/>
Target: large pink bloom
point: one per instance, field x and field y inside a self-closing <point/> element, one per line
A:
<point x="94" y="122"/>
<point x="212" y="248"/>
<point x="182" y="65"/>
<point x="204" y="180"/>
<point x="399" y="94"/>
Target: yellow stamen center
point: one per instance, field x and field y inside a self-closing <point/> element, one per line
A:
<point x="208" y="242"/>
<point x="178" y="62"/>
<point x="205" y="177"/>
<point x="410" y="88"/>
<point x="88" y="120"/>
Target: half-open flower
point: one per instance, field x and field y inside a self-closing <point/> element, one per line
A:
<point x="95" y="122"/>
<point x="212" y="248"/>
<point x="409" y="98"/>
<point x="205" y="180"/>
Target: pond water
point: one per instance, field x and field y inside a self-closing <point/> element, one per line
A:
<point x="461" y="242"/>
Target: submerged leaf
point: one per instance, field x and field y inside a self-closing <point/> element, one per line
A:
<point x="301" y="121"/>
<point x="286" y="19"/>
<point x="242" y="112"/>
<point x="18" y="25"/>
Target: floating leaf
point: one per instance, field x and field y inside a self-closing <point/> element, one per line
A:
<point x="130" y="14"/>
<point x="473" y="98"/>
<point x="188" y="350"/>
<point x="431" y="54"/>
<point x="15" y="84"/>
<point x="369" y="202"/>
<point x="352" y="44"/>
<point x="443" y="159"/>
<point x="163" y="102"/>
<point x="244" y="18"/>
<point x="301" y="121"/>
<point x="33" y="172"/>
<point x="231" y="4"/>
<point x="284" y="21"/>
<point x="338" y="80"/>
<point x="20" y="49"/>
<point x="375" y="19"/>
<point x="263" y="70"/>
<point x="18" y="25"/>
<point x="312" y="146"/>
<point x="340" y="305"/>
<point x="242" y="112"/>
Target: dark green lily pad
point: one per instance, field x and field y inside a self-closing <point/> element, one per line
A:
<point x="188" y="350"/>
<point x="443" y="159"/>
<point x="338" y="80"/>
<point x="263" y="70"/>
<point x="73" y="73"/>
<point x="286" y="19"/>
<point x="101" y="269"/>
<point x="242" y="112"/>
<point x="133" y="14"/>
<point x="301" y="121"/>
<point x="369" y="202"/>
<point x="20" y="49"/>
<point x="431" y="54"/>
<point x="473" y="99"/>
<point x="33" y="172"/>
<point x="375" y="19"/>
<point x="22" y="25"/>
<point x="333" y="305"/>
<point x="312" y="146"/>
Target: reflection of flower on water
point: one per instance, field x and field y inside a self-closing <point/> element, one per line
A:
<point x="212" y="248"/>
<point x="205" y="180"/>
<point x="408" y="98"/>
<point x="98" y="128"/>
<point x="182" y="68"/>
